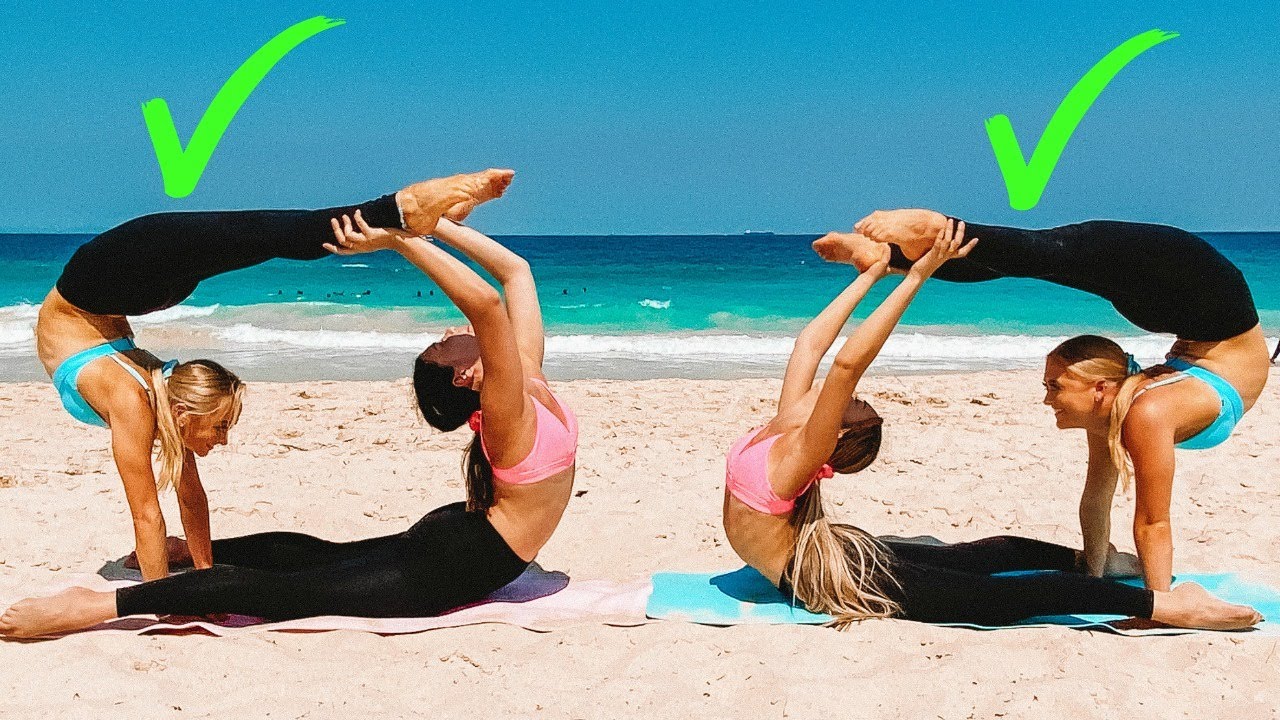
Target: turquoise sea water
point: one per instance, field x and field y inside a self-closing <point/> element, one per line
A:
<point x="615" y="306"/>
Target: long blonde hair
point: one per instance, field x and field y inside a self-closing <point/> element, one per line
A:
<point x="837" y="569"/>
<point x="1093" y="358"/>
<point x="203" y="387"/>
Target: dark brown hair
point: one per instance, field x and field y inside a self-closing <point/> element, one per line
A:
<point x="857" y="447"/>
<point x="446" y="406"/>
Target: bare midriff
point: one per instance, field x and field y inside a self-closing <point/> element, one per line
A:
<point x="765" y="542"/>
<point x="527" y="515"/>
<point x="1244" y="361"/>
<point x="62" y="330"/>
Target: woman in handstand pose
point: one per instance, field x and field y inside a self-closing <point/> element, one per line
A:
<point x="775" y="519"/>
<point x="519" y="468"/>
<point x="154" y="262"/>
<point x="1163" y="280"/>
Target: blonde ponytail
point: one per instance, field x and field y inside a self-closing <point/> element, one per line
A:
<point x="171" y="451"/>
<point x="1115" y="441"/>
<point x="203" y="387"/>
<point x="1093" y="358"/>
<point x="837" y="569"/>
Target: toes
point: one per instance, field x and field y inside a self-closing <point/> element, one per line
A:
<point x="502" y="178"/>
<point x="498" y="181"/>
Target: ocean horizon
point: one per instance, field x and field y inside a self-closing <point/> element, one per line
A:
<point x="615" y="307"/>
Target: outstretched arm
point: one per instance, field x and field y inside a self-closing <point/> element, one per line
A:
<point x="502" y="396"/>
<point x="516" y="278"/>
<point x="814" y="442"/>
<point x="815" y="340"/>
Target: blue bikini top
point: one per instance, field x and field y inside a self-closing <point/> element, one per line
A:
<point x="1229" y="414"/>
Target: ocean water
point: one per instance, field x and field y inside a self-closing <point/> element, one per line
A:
<point x="614" y="306"/>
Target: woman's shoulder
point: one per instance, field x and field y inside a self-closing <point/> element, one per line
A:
<point x="109" y="386"/>
<point x="1164" y="403"/>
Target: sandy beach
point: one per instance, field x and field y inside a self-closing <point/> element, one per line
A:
<point x="965" y="456"/>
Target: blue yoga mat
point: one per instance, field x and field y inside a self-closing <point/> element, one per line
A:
<point x="745" y="597"/>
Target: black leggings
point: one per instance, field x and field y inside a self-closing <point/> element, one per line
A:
<point x="448" y="559"/>
<point x="955" y="583"/>
<point x="156" y="261"/>
<point x="1160" y="278"/>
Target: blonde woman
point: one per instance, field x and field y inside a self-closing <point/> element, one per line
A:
<point x="1134" y="419"/>
<point x="1160" y="278"/>
<point x="775" y="520"/>
<point x="85" y="342"/>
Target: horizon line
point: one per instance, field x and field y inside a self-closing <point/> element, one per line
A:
<point x="636" y="234"/>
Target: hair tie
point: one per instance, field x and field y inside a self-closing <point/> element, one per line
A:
<point x="1134" y="368"/>
<point x="473" y="422"/>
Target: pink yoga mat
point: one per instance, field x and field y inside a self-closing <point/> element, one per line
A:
<point x="538" y="600"/>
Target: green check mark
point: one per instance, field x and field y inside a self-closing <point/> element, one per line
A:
<point x="181" y="169"/>
<point x="1026" y="181"/>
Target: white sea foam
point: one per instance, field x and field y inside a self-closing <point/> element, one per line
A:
<point x="17" y="324"/>
<point x="243" y="333"/>
<point x="354" y="265"/>
<point x="322" y="330"/>
<point x="989" y="350"/>
<point x="16" y="333"/>
<point x="19" y="311"/>
<point x="916" y="347"/>
<point x="175" y="313"/>
<point x="656" y="304"/>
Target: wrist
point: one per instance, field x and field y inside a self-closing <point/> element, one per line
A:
<point x="1080" y="564"/>
<point x="868" y="277"/>
<point x="402" y="243"/>
<point x="918" y="276"/>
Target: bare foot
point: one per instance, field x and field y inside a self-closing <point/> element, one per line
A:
<point x="912" y="230"/>
<point x="493" y="189"/>
<point x="423" y="203"/>
<point x="850" y="249"/>
<point x="1191" y="606"/>
<point x="71" y="609"/>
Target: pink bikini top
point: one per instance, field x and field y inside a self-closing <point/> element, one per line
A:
<point x="555" y="445"/>
<point x="746" y="476"/>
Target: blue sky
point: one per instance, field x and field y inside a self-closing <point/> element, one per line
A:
<point x="656" y="117"/>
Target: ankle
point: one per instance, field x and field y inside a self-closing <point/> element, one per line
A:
<point x="406" y="206"/>
<point x="934" y="223"/>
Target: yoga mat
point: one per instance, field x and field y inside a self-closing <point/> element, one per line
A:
<point x="538" y="600"/>
<point x="742" y="597"/>
<point x="745" y="597"/>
